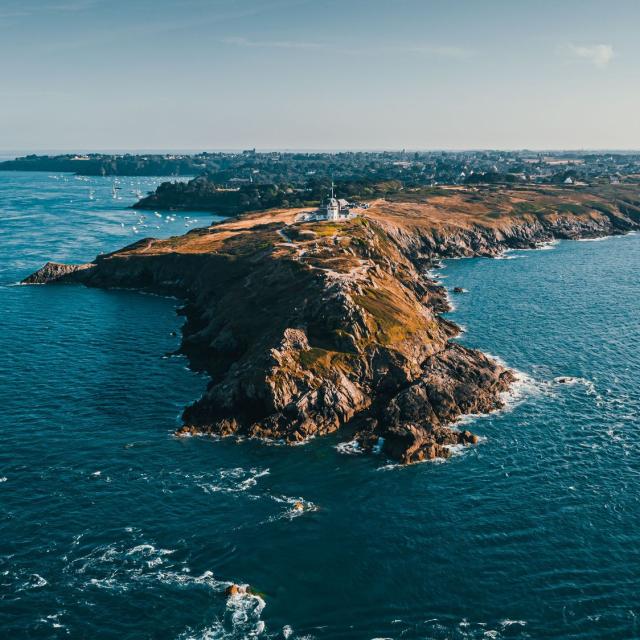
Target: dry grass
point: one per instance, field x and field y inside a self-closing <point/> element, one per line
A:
<point x="436" y="210"/>
<point x="494" y="207"/>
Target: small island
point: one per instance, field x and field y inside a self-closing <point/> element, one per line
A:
<point x="308" y="325"/>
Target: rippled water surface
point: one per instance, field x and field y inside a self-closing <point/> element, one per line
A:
<point x="112" y="528"/>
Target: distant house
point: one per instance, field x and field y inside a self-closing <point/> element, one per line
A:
<point x="568" y="180"/>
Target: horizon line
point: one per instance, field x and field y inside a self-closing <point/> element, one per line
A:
<point x="194" y="150"/>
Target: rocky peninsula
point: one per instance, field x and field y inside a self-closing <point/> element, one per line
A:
<point x="306" y="328"/>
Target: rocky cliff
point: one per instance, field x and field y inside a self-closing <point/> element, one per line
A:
<point x="307" y="328"/>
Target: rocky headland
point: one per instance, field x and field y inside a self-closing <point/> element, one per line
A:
<point x="307" y="328"/>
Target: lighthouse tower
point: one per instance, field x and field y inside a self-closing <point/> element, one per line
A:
<point x="333" y="206"/>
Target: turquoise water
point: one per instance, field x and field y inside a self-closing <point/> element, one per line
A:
<point x="112" y="528"/>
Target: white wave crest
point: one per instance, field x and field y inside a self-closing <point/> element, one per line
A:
<point x="235" y="480"/>
<point x="547" y="246"/>
<point x="295" y="507"/>
<point x="241" y="619"/>
<point x="350" y="448"/>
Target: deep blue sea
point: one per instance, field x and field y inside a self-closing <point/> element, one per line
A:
<point x="112" y="528"/>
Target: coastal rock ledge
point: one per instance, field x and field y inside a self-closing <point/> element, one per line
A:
<point x="53" y="271"/>
<point x="313" y="327"/>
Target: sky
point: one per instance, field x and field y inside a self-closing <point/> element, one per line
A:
<point x="319" y="74"/>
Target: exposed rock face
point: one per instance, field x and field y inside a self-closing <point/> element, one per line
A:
<point x="53" y="271"/>
<point x="337" y="327"/>
<point x="454" y="382"/>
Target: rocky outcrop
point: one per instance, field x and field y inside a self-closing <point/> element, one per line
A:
<point x="338" y="327"/>
<point x="411" y="426"/>
<point x="54" y="271"/>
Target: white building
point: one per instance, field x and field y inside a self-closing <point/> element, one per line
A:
<point x="335" y="209"/>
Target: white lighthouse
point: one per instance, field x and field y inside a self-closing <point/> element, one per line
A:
<point x="333" y="207"/>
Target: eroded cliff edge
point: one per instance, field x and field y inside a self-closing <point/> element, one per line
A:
<point x="306" y="328"/>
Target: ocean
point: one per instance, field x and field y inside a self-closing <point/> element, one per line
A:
<point x="112" y="528"/>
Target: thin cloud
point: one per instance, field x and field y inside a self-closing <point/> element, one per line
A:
<point x="9" y="17"/>
<point x="26" y="9"/>
<point x="440" y="51"/>
<point x="273" y="44"/>
<point x="103" y="36"/>
<point x="73" y="5"/>
<point x="7" y="14"/>
<point x="599" y="55"/>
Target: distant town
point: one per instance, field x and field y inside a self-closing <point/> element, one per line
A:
<point x="230" y="183"/>
<point x="410" y="167"/>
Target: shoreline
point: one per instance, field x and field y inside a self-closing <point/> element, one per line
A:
<point x="365" y="348"/>
<point x="524" y="384"/>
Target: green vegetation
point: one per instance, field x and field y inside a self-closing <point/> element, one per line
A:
<point x="571" y="207"/>
<point x="324" y="229"/>
<point x="323" y="361"/>
<point x="395" y="319"/>
<point x="600" y="207"/>
<point x="206" y="194"/>
<point x="520" y="208"/>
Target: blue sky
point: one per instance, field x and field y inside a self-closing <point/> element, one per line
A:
<point x="321" y="74"/>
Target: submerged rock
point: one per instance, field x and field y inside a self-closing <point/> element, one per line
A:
<point x="235" y="590"/>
